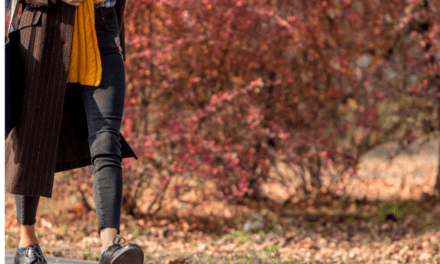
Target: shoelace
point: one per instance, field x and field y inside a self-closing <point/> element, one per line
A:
<point x="36" y="251"/>
<point x="119" y="239"/>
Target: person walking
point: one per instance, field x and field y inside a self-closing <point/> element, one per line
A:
<point x="71" y="105"/>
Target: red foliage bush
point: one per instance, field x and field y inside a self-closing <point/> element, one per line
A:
<point x="224" y="89"/>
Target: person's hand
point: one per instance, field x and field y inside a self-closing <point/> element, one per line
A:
<point x="72" y="2"/>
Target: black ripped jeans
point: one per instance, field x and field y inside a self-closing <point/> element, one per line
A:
<point x="104" y="106"/>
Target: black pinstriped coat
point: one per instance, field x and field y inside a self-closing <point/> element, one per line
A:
<point x="51" y="134"/>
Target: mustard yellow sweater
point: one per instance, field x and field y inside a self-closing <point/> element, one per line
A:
<point x="85" y="59"/>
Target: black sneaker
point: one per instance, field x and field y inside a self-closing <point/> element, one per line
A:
<point x="116" y="254"/>
<point x="32" y="255"/>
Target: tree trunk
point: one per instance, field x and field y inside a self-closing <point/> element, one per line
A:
<point x="437" y="182"/>
<point x="315" y="178"/>
<point x="253" y="192"/>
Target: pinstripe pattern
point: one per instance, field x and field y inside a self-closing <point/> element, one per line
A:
<point x="51" y="134"/>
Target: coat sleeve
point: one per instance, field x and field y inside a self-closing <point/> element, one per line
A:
<point x="38" y="3"/>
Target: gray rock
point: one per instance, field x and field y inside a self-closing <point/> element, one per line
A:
<point x="255" y="222"/>
<point x="57" y="252"/>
